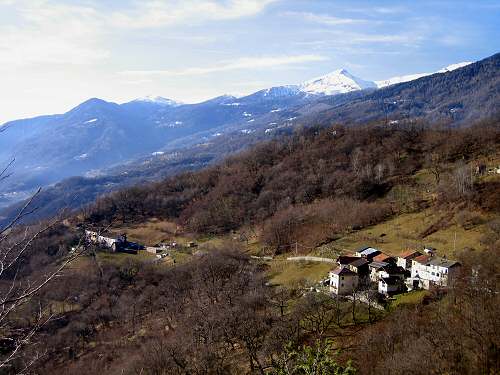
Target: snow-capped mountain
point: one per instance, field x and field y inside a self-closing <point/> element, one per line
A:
<point x="158" y="100"/>
<point x="452" y="67"/>
<point x="337" y="82"/>
<point x="98" y="134"/>
<point x="412" y="77"/>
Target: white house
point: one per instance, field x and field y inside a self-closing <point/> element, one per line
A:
<point x="368" y="252"/>
<point x="390" y="285"/>
<point x="443" y="271"/>
<point x="405" y="258"/>
<point x="343" y="281"/>
<point x="427" y="271"/>
<point x="375" y="268"/>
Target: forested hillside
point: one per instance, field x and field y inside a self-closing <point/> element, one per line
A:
<point x="190" y="137"/>
<point x="301" y="183"/>
<point x="220" y="308"/>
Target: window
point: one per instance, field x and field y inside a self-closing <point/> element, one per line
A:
<point x="342" y="277"/>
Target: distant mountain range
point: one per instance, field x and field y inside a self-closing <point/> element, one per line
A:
<point x="152" y="137"/>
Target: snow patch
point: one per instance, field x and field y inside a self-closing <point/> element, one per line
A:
<point x="337" y="82"/>
<point x="412" y="77"/>
<point x="452" y="67"/>
<point x="157" y="153"/>
<point x="158" y="100"/>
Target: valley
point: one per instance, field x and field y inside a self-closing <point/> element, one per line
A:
<point x="244" y="218"/>
<point x="176" y="137"/>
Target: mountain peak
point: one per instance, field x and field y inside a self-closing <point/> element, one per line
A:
<point x="92" y="104"/>
<point x="339" y="81"/>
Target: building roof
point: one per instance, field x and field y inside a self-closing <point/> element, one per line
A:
<point x="409" y="254"/>
<point x="343" y="271"/>
<point x="359" y="262"/>
<point x="391" y="280"/>
<point x="346" y="259"/>
<point x="422" y="259"/>
<point x="443" y="262"/>
<point x="368" y="251"/>
<point x="382" y="258"/>
<point x="394" y="270"/>
<point x="378" y="265"/>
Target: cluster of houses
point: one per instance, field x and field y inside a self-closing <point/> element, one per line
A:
<point x="119" y="244"/>
<point x="392" y="275"/>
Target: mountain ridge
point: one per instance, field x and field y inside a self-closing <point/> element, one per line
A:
<point x="97" y="135"/>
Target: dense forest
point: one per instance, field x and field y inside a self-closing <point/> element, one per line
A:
<point x="218" y="315"/>
<point x="301" y="183"/>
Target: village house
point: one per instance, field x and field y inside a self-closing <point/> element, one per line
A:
<point x="430" y="271"/>
<point x="375" y="267"/>
<point x="393" y="274"/>
<point x="405" y="259"/>
<point x="343" y="281"/>
<point x="390" y="285"/>
<point x="118" y="244"/>
<point x="410" y="270"/>
<point x="344" y="260"/>
<point x="368" y="253"/>
<point x="384" y="258"/>
<point x="360" y="267"/>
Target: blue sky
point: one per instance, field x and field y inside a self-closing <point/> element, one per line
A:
<point x="55" y="54"/>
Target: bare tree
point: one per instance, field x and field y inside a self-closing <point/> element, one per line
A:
<point x="463" y="179"/>
<point x="18" y="289"/>
<point x="435" y="163"/>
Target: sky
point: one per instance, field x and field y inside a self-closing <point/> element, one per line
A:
<point x="55" y="54"/>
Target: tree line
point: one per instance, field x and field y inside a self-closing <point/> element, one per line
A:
<point x="313" y="175"/>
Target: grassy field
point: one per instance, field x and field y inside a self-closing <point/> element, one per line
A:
<point x="403" y="232"/>
<point x="296" y="273"/>
<point x="411" y="298"/>
<point x="122" y="258"/>
<point x="152" y="232"/>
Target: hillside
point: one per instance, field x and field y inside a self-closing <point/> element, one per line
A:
<point x="285" y="187"/>
<point x="227" y="294"/>
<point x="443" y="98"/>
<point x="320" y="191"/>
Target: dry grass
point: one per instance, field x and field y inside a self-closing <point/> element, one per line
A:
<point x="151" y="232"/>
<point x="403" y="232"/>
<point x="298" y="273"/>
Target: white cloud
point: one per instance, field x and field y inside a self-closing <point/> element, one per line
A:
<point x="50" y="33"/>
<point x="154" y="13"/>
<point x="324" y="19"/>
<point x="245" y="63"/>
